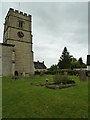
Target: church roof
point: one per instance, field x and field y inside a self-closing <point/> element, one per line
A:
<point x="39" y="65"/>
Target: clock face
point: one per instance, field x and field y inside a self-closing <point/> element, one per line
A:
<point x="20" y="34"/>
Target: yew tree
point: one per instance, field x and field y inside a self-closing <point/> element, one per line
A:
<point x="65" y="60"/>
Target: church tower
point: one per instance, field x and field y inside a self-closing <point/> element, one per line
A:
<point x="17" y="31"/>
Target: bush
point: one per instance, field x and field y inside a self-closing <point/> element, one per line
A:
<point x="37" y="73"/>
<point x="87" y="72"/>
<point x="69" y="71"/>
<point x="61" y="79"/>
<point x="41" y="73"/>
<point x="62" y="71"/>
<point x="49" y="72"/>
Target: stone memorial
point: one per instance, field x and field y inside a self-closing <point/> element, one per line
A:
<point x="82" y="75"/>
<point x="65" y="73"/>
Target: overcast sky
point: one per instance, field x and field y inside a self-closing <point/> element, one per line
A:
<point x="56" y="25"/>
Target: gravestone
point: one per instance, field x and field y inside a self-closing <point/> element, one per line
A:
<point x="82" y="75"/>
<point x="24" y="74"/>
<point x="65" y="73"/>
<point x="89" y="74"/>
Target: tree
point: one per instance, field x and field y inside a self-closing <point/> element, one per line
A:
<point x="82" y="65"/>
<point x="53" y="68"/>
<point x="77" y="63"/>
<point x="80" y="61"/>
<point x="73" y="63"/>
<point x="65" y="60"/>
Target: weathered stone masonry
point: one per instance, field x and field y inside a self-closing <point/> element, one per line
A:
<point x="18" y="34"/>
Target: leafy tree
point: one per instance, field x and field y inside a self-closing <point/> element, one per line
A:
<point x="65" y="60"/>
<point x="80" y="61"/>
<point x="53" y="68"/>
<point x="82" y="65"/>
<point x="73" y="63"/>
<point x="77" y="63"/>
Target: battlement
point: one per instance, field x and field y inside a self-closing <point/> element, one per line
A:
<point x="19" y="12"/>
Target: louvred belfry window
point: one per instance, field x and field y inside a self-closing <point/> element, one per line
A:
<point x="20" y="24"/>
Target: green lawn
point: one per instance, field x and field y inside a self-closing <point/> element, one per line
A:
<point x="22" y="100"/>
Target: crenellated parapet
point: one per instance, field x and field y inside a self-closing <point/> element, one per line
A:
<point x="11" y="10"/>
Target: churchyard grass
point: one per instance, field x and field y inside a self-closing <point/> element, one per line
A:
<point x="20" y="99"/>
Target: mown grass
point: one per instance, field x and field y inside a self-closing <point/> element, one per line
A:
<point x="22" y="100"/>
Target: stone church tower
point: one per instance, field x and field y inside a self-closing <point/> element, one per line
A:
<point x="17" y="31"/>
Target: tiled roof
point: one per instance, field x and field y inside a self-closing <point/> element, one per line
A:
<point x="39" y="65"/>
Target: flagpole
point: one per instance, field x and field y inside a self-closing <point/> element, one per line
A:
<point x="19" y="6"/>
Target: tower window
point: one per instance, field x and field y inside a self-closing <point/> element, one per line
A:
<point x="20" y="24"/>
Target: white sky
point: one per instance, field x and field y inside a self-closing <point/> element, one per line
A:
<point x="55" y="25"/>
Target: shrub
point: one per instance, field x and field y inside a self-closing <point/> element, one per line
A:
<point x="69" y="71"/>
<point x="87" y="72"/>
<point x="41" y="73"/>
<point x="61" y="79"/>
<point x="49" y="72"/>
<point x="37" y="73"/>
<point x="62" y="71"/>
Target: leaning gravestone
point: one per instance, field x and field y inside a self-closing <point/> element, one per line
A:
<point x="82" y="75"/>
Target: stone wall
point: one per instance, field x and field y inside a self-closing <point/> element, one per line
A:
<point x="13" y="34"/>
<point x="23" y="57"/>
<point x="6" y="60"/>
<point x="0" y="60"/>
